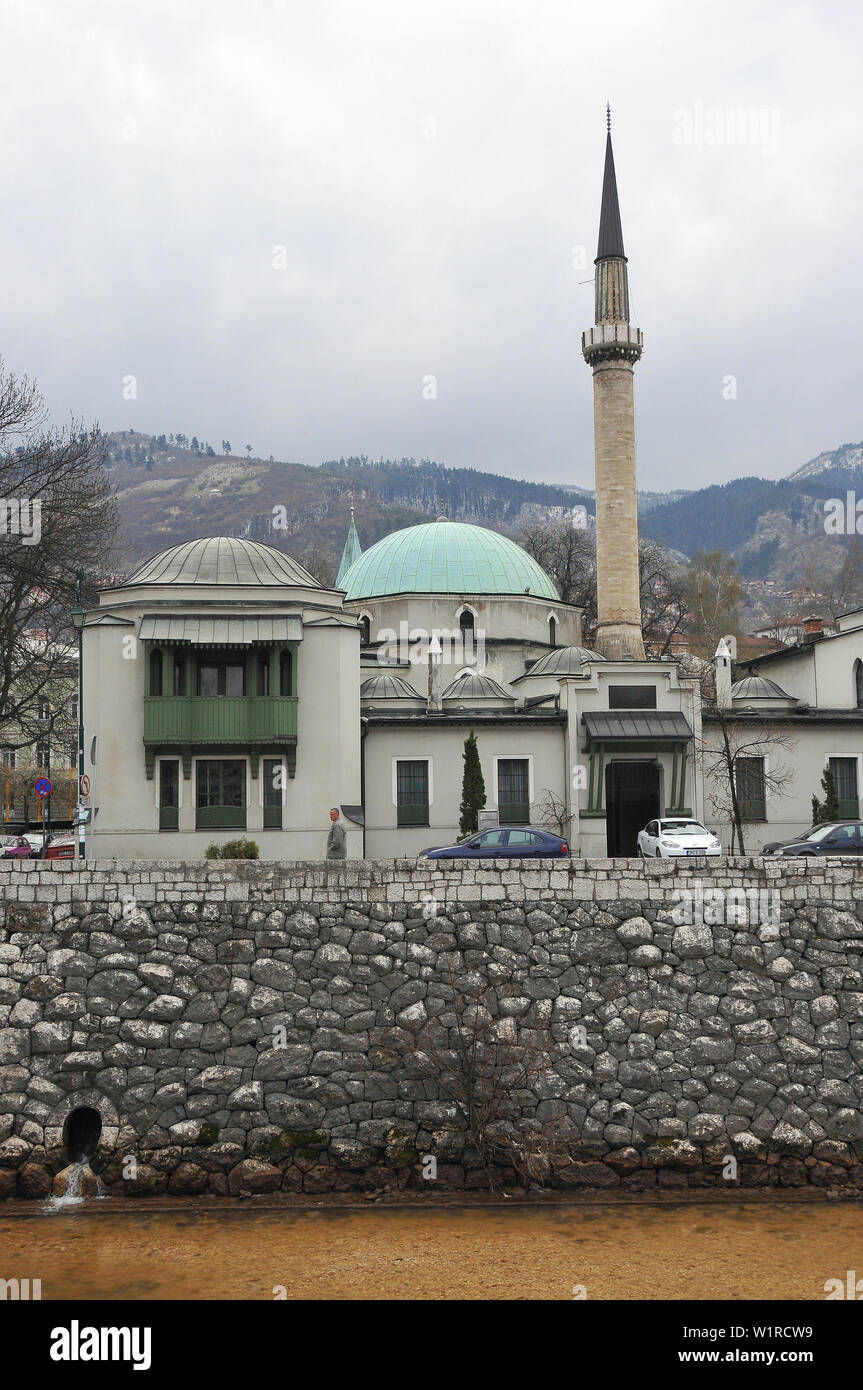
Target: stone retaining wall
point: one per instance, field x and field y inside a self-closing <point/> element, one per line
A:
<point x="255" y="1027"/>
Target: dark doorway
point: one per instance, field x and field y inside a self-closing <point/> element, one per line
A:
<point x="631" y="800"/>
<point x="83" y="1129"/>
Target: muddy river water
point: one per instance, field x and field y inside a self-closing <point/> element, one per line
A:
<point x="521" y="1251"/>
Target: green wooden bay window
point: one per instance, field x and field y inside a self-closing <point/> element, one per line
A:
<point x="220" y="799"/>
<point x="412" y="792"/>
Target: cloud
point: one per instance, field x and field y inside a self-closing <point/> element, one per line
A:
<point x="428" y="171"/>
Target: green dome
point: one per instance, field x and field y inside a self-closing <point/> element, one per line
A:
<point x="446" y="557"/>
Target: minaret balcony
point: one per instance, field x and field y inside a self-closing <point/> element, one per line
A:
<point x="607" y="341"/>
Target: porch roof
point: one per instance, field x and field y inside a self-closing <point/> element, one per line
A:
<point x="221" y="631"/>
<point x="629" y="726"/>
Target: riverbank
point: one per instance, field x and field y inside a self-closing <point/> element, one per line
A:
<point x="539" y="1248"/>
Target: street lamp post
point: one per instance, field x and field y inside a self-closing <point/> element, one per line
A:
<point x="78" y="621"/>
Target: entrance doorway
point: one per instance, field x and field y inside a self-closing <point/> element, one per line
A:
<point x="631" y="800"/>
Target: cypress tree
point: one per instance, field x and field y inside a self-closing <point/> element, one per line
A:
<point x="472" y="787"/>
<point x="828" y="809"/>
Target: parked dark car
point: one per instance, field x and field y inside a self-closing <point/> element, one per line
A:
<point x="834" y="837"/>
<point x="504" y="842"/>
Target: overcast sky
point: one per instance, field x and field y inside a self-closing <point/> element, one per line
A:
<point x="282" y="217"/>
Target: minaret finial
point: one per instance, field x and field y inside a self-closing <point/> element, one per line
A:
<point x="608" y="116"/>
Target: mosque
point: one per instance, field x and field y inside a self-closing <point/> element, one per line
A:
<point x="227" y="692"/>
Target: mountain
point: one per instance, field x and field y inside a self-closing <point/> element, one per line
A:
<point x="174" y="488"/>
<point x="848" y="457"/>
<point x="170" y="491"/>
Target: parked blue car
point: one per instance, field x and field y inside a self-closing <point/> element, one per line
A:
<point x="505" y="842"/>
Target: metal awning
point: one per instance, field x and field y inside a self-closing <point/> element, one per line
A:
<point x="629" y="726"/>
<point x="223" y="631"/>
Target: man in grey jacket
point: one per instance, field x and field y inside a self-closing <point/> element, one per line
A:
<point x="337" y="838"/>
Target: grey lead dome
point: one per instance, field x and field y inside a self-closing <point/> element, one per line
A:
<point x="223" y="560"/>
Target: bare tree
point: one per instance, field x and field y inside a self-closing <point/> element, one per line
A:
<point x="741" y="736"/>
<point x="551" y="811"/>
<point x="714" y="597"/>
<point x="839" y="587"/>
<point x="58" y="515"/>
<point x="568" y="554"/>
<point x="664" y="598"/>
<point x="483" y="1068"/>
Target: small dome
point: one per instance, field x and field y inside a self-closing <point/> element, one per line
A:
<point x="446" y="557"/>
<point x="223" y="560"/>
<point x="759" y="688"/>
<point x="472" y="685"/>
<point x="563" y="661"/>
<point x="388" y="687"/>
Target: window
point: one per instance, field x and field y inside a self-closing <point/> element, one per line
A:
<point x="412" y="792"/>
<point x="73" y="754"/>
<point x="43" y="708"/>
<point x="466" y="622"/>
<point x="365" y="631"/>
<point x="7" y="757"/>
<point x="490" y="839"/>
<point x="513" y="790"/>
<point x="179" y="682"/>
<point x="524" y="837"/>
<point x="264" y="676"/>
<point x="632" y="697"/>
<point x="751" y="796"/>
<point x="286" y="673"/>
<point x="844" y="835"/>
<point x="73" y="709"/>
<point x="552" y="630"/>
<point x="221" y="794"/>
<point x="845" y="781"/>
<point x="221" y="678"/>
<point x="858" y="684"/>
<point x="169" y="794"/>
<point x="43" y="756"/>
<point x="156" y="672"/>
<point x="274" y="778"/>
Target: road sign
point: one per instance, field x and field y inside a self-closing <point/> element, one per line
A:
<point x="42" y="786"/>
<point x="85" y="785"/>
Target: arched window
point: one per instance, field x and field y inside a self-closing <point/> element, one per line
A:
<point x="365" y="630"/>
<point x="466" y="622"/>
<point x="552" y="630"/>
<point x="156" y="672"/>
<point x="858" y="683"/>
<point x="286" y="673"/>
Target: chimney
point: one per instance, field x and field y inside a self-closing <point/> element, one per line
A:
<point x="722" y="664"/>
<point x="435" y="652"/>
<point x="813" y="629"/>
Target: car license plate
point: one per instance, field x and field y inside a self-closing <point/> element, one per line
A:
<point x="695" y="851"/>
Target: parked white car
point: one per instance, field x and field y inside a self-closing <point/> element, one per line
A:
<point x="676" y="836"/>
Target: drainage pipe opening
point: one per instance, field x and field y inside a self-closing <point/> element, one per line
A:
<point x="82" y="1132"/>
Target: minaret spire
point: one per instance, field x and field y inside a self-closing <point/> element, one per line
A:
<point x="352" y="551"/>
<point x="611" y="349"/>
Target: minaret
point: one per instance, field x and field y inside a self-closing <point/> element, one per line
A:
<point x="612" y="349"/>
<point x="352" y="551"/>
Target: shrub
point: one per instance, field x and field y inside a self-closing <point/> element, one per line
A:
<point x="234" y="849"/>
